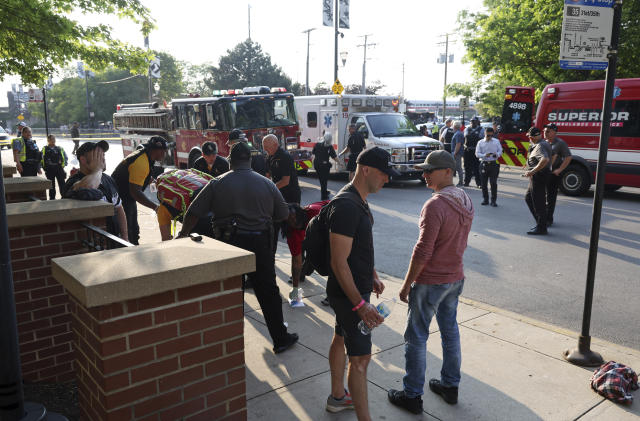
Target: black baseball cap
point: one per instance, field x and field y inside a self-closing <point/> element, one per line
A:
<point x="437" y="160"/>
<point x="534" y="131"/>
<point x="551" y="126"/>
<point x="475" y="118"/>
<point x="377" y="158"/>
<point x="157" y="142"/>
<point x="209" y="148"/>
<point x="240" y="152"/>
<point x="89" y="146"/>
<point x="237" y="134"/>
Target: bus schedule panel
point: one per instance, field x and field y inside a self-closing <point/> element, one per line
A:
<point x="586" y="34"/>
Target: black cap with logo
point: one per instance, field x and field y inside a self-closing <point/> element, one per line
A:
<point x="87" y="147"/>
<point x="377" y="158"/>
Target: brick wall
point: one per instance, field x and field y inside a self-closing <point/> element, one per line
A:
<point x="173" y="355"/>
<point x="44" y="322"/>
<point x="24" y="196"/>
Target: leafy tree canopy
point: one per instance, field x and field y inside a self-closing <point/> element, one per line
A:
<point x="36" y="36"/>
<point x="372" y="89"/>
<point x="246" y="65"/>
<point x="518" y="42"/>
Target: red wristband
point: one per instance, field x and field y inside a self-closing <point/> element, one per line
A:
<point x="360" y="304"/>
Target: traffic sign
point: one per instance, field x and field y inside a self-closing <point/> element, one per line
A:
<point x="20" y="117"/>
<point x="586" y="34"/>
<point x="337" y="88"/>
<point x="35" y="95"/>
<point x="464" y="103"/>
<point x="154" y="68"/>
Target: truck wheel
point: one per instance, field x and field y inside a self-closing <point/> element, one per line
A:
<point x="575" y="181"/>
<point x="193" y="155"/>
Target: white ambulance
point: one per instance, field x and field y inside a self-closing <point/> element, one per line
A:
<point x="375" y="116"/>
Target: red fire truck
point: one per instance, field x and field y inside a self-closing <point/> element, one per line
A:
<point x="189" y="122"/>
<point x="576" y="108"/>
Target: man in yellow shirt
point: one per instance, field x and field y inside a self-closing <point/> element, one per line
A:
<point x="132" y="176"/>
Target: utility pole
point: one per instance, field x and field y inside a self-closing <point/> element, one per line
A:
<point x="249" y="13"/>
<point x="306" y="85"/>
<point x="336" y="16"/>
<point x="86" y="86"/>
<point x="446" y="62"/>
<point x="363" y="89"/>
<point x="146" y="44"/>
<point x="403" y="80"/>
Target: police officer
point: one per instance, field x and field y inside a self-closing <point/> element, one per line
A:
<point x="471" y="164"/>
<point x="210" y="162"/>
<point x="132" y="176"/>
<point x="355" y="145"/>
<point x="322" y="153"/>
<point x="26" y="154"/>
<point x="244" y="207"/>
<point x="258" y="161"/>
<point x="538" y="169"/>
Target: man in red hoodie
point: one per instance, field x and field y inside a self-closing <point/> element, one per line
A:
<point x="433" y="284"/>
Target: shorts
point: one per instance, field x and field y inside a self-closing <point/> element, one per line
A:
<point x="351" y="163"/>
<point x="347" y="321"/>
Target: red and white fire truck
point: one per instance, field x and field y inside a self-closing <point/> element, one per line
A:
<point x="189" y="122"/>
<point x="576" y="108"/>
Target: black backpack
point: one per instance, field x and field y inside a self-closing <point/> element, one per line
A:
<point x="316" y="255"/>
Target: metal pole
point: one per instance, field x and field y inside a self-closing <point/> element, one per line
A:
<point x="335" y="62"/>
<point x="364" y="67"/>
<point x="249" y="20"/>
<point x="583" y="355"/>
<point x="306" y="86"/>
<point x="444" y="90"/>
<point x="11" y="394"/>
<point x="46" y="113"/>
<point x="86" y="85"/>
<point x="402" y="80"/>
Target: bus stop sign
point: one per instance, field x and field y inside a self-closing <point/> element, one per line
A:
<point x="586" y="34"/>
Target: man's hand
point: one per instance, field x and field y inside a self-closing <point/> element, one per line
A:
<point x="528" y="173"/>
<point x="19" y="167"/>
<point x="369" y="314"/>
<point x="404" y="292"/>
<point x="557" y="172"/>
<point x="378" y="286"/>
<point x="95" y="159"/>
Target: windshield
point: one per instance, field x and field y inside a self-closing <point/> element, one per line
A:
<point x="383" y="125"/>
<point x="516" y="116"/>
<point x="2" y="130"/>
<point x="262" y="112"/>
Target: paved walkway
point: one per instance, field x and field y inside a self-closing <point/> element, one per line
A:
<point x="512" y="366"/>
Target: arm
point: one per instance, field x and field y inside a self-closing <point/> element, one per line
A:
<point x="458" y="146"/>
<point x="198" y="208"/>
<point x="284" y="182"/>
<point x="499" y="154"/>
<point x="136" y="192"/>
<point x="562" y="166"/>
<point x="340" y="246"/>
<point x="344" y="151"/>
<point x="94" y="161"/>
<point x="479" y="151"/>
<point x="16" y="159"/>
<point x="541" y="164"/>
<point x="122" y="222"/>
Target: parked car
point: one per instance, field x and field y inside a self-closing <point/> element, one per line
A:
<point x="5" y="139"/>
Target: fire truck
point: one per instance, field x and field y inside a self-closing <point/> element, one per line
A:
<point x="189" y="122"/>
<point x="376" y="117"/>
<point x="576" y="108"/>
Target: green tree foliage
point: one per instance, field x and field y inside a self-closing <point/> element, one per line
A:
<point x="36" y="36"/>
<point x="246" y="65"/>
<point x="372" y="89"/>
<point x="171" y="77"/>
<point x="517" y="42"/>
<point x="322" y="89"/>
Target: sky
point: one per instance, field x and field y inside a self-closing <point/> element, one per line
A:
<point x="404" y="31"/>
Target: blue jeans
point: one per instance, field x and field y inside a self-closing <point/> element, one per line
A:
<point x="424" y="302"/>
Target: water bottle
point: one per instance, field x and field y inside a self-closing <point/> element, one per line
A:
<point x="384" y="307"/>
<point x="153" y="188"/>
<point x="295" y="297"/>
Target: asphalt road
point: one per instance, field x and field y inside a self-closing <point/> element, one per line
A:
<point x="539" y="277"/>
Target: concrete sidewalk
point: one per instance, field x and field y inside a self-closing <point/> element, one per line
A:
<point x="512" y="366"/>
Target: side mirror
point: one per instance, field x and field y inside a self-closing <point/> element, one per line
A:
<point x="365" y="134"/>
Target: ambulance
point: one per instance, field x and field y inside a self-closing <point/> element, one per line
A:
<point x="376" y="117"/>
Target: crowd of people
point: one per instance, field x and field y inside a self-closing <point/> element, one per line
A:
<point x="249" y="200"/>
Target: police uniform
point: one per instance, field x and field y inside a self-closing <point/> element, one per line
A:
<point x="244" y="205"/>
<point x="219" y="167"/>
<point x="29" y="155"/>
<point x="471" y="164"/>
<point x="536" y="193"/>
<point x="54" y="159"/>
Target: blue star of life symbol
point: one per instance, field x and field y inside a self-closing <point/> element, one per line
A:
<point x="616" y="91"/>
<point x="515" y="116"/>
<point x="327" y="120"/>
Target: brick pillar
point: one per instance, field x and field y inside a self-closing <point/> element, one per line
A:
<point x="8" y="170"/>
<point x="150" y="348"/>
<point x="25" y="196"/>
<point x="19" y="189"/>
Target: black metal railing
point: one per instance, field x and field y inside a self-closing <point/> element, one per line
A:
<point x="98" y="239"/>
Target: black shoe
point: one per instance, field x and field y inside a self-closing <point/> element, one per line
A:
<point x="484" y="202"/>
<point x="290" y="340"/>
<point x="494" y="204"/>
<point x="538" y="230"/>
<point x="449" y="394"/>
<point x="399" y="398"/>
<point x="466" y="184"/>
<point x="325" y="301"/>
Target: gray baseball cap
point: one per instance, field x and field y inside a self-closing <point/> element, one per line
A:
<point x="437" y="160"/>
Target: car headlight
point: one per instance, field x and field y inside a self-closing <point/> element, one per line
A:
<point x="398" y="154"/>
<point x="291" y="146"/>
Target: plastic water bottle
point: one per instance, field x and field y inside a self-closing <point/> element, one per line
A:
<point x="295" y="297"/>
<point x="153" y="187"/>
<point x="384" y="307"/>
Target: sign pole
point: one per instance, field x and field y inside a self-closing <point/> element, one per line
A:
<point x="583" y="355"/>
<point x="46" y="113"/>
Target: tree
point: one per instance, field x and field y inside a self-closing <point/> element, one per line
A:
<point x="171" y="77"/>
<point x="246" y="65"/>
<point x="322" y="89"/>
<point x="372" y="89"/>
<point x="518" y="42"/>
<point x="37" y="36"/>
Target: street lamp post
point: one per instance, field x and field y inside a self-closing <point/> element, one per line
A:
<point x="335" y="62"/>
<point x="306" y="86"/>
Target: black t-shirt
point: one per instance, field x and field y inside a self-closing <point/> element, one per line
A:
<point x="281" y="165"/>
<point x="219" y="167"/>
<point x="321" y="154"/>
<point x="353" y="219"/>
<point x="356" y="144"/>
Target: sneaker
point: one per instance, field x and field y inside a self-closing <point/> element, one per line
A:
<point x="336" y="405"/>
<point x="325" y="301"/>
<point x="290" y="340"/>
<point x="449" y="394"/>
<point x="399" y="398"/>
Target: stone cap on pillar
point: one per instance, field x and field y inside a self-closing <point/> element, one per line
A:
<point x="8" y="170"/>
<point x="26" y="184"/>
<point x="111" y="276"/>
<point x="43" y="212"/>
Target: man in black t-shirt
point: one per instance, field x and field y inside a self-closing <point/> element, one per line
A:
<point x="282" y="169"/>
<point x="322" y="153"/>
<point x="210" y="162"/>
<point x="352" y="278"/>
<point x="355" y="145"/>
